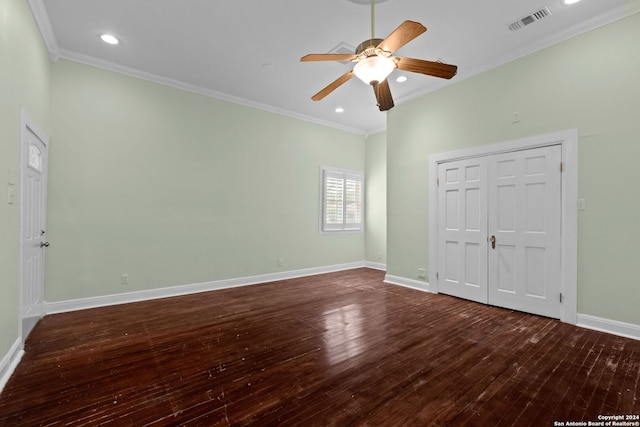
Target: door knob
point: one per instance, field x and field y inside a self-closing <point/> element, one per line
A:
<point x="493" y="242"/>
<point x="44" y="244"/>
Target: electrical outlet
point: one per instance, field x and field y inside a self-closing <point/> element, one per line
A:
<point x="124" y="279"/>
<point x="280" y="262"/>
<point x="582" y="204"/>
<point x="516" y="117"/>
<point x="422" y="273"/>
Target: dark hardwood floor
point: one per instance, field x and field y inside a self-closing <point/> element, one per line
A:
<point x="336" y="349"/>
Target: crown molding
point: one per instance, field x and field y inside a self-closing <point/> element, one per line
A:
<point x="43" y="23"/>
<point x="630" y="8"/>
<point x="165" y="81"/>
<point x="41" y="17"/>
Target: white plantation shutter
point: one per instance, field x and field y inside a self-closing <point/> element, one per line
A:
<point x="353" y="196"/>
<point x="333" y="199"/>
<point x="342" y="200"/>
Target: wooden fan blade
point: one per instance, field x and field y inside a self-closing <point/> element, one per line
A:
<point x="430" y="68"/>
<point x="383" y="95"/>
<point x="333" y="86"/>
<point x="402" y="35"/>
<point x="327" y="57"/>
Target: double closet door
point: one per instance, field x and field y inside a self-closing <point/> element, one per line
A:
<point x="499" y="219"/>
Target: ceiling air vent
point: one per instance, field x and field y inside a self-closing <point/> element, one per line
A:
<point x="344" y="49"/>
<point x="529" y="19"/>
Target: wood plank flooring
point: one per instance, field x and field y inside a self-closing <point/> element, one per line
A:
<point x="337" y="349"/>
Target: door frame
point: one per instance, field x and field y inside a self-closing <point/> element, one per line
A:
<point x="568" y="140"/>
<point x="28" y="124"/>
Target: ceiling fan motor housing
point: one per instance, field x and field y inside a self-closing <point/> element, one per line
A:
<point x="368" y="47"/>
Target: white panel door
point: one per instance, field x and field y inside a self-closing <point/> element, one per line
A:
<point x="462" y="229"/>
<point x="524" y="230"/>
<point x="34" y="195"/>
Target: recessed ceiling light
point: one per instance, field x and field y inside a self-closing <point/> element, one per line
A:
<point x="401" y="79"/>
<point x="569" y="2"/>
<point x="108" y="38"/>
<point x="339" y="110"/>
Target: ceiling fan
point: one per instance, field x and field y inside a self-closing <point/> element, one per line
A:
<point x="375" y="61"/>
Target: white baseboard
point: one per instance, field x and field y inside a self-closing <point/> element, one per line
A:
<point x="9" y="362"/>
<point x="408" y="283"/>
<point x="107" y="300"/>
<point x="375" y="265"/>
<point x="628" y="330"/>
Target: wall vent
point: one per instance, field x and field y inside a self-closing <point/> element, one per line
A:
<point x="529" y="19"/>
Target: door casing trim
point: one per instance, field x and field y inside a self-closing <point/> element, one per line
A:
<point x="28" y="124"/>
<point x="568" y="140"/>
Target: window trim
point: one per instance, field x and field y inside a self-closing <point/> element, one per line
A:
<point x="344" y="227"/>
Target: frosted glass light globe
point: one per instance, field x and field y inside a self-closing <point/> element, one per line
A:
<point x="374" y="69"/>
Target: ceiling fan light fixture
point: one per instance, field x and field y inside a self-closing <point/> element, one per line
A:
<point x="374" y="69"/>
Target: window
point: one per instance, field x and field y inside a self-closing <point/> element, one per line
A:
<point x="342" y="200"/>
<point x="34" y="160"/>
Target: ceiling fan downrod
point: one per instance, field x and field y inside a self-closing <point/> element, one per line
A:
<point x="373" y="14"/>
<point x="369" y="47"/>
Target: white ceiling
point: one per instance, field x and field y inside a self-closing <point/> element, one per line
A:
<point x="248" y="51"/>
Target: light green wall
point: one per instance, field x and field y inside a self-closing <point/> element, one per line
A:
<point x="590" y="82"/>
<point x="376" y="198"/>
<point x="173" y="188"/>
<point x="24" y="81"/>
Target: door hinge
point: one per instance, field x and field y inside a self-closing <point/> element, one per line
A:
<point x="438" y="182"/>
<point x="561" y="167"/>
<point x="437" y="276"/>
<point x="561" y="298"/>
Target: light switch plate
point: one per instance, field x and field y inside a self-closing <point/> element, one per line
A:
<point x="12" y="177"/>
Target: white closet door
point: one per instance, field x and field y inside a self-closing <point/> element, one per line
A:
<point x="524" y="219"/>
<point x="462" y="229"/>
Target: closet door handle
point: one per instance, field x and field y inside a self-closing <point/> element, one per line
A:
<point x="493" y="242"/>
